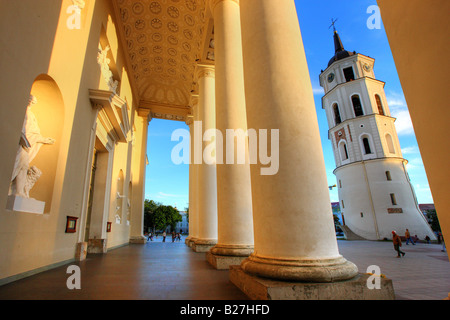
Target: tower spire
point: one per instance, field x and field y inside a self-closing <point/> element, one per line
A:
<point x="337" y="40"/>
<point x="338" y="46"/>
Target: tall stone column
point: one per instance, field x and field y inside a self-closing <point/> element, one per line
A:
<point x="139" y="163"/>
<point x="293" y="224"/>
<point x="206" y="171"/>
<point x="193" y="177"/>
<point x="234" y="199"/>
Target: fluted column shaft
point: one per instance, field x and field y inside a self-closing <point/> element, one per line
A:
<point x="293" y="223"/>
<point x="193" y="176"/>
<point x="206" y="172"/>
<point x="235" y="222"/>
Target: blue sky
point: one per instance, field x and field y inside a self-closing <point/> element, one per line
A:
<point x="169" y="183"/>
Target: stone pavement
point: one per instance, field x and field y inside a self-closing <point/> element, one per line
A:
<point x="422" y="274"/>
<point x="172" y="271"/>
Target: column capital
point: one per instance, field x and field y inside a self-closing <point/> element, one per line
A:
<point x="190" y="120"/>
<point x="205" y="70"/>
<point x="194" y="100"/>
<point x="146" y="114"/>
<point x="213" y="3"/>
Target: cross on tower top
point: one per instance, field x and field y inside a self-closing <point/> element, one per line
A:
<point x="333" y="22"/>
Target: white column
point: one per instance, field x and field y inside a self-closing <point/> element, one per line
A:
<point x="293" y="223"/>
<point x="234" y="200"/>
<point x="207" y="181"/>
<point x="139" y="159"/>
<point x="193" y="177"/>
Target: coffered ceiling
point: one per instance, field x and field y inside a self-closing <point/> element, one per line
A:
<point x="164" y="40"/>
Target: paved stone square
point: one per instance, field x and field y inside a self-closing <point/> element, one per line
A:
<point x="422" y="274"/>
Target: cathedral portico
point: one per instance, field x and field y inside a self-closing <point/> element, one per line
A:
<point x="219" y="66"/>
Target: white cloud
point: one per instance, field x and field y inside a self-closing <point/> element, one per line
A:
<point x="318" y="91"/>
<point x="167" y="195"/>
<point x="414" y="163"/>
<point x="399" y="110"/>
<point x="410" y="150"/>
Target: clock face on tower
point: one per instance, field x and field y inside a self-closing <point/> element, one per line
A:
<point x="367" y="67"/>
<point x="331" y="77"/>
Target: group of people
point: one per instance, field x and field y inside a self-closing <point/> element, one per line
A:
<point x="175" y="236"/>
<point x="397" y="241"/>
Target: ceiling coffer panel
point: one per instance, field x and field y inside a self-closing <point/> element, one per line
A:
<point x="163" y="40"/>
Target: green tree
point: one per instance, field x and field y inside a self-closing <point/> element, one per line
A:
<point x="158" y="216"/>
<point x="336" y="222"/>
<point x="433" y="219"/>
<point x="152" y="218"/>
<point x="172" y="216"/>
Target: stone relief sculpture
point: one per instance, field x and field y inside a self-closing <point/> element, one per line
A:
<point x="103" y="61"/>
<point x="24" y="177"/>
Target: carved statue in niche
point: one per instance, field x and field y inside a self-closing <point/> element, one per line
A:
<point x="24" y="177"/>
<point x="103" y="61"/>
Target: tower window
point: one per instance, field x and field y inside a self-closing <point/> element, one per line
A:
<point x="340" y="184"/>
<point x="337" y="114"/>
<point x="362" y="215"/>
<point x="366" y="145"/>
<point x="390" y="143"/>
<point x="349" y="74"/>
<point x="388" y="176"/>
<point x="343" y="151"/>
<point x="357" y="106"/>
<point x="393" y="200"/>
<point x="342" y="204"/>
<point x="379" y="104"/>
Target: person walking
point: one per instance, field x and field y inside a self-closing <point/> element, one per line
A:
<point x="397" y="244"/>
<point x="164" y="236"/>
<point x="408" y="237"/>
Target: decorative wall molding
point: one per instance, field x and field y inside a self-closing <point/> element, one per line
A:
<point x="115" y="111"/>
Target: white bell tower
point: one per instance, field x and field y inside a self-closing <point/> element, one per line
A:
<point x="375" y="193"/>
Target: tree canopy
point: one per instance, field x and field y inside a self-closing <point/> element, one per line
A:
<point x="158" y="216"/>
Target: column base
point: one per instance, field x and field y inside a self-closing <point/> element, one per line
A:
<point x="223" y="262"/>
<point x="97" y="246"/>
<point x="190" y="243"/>
<point x="222" y="256"/>
<point x="138" y="240"/>
<point x="81" y="251"/>
<point x="319" y="270"/>
<point x="257" y="288"/>
<point x="203" y="245"/>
